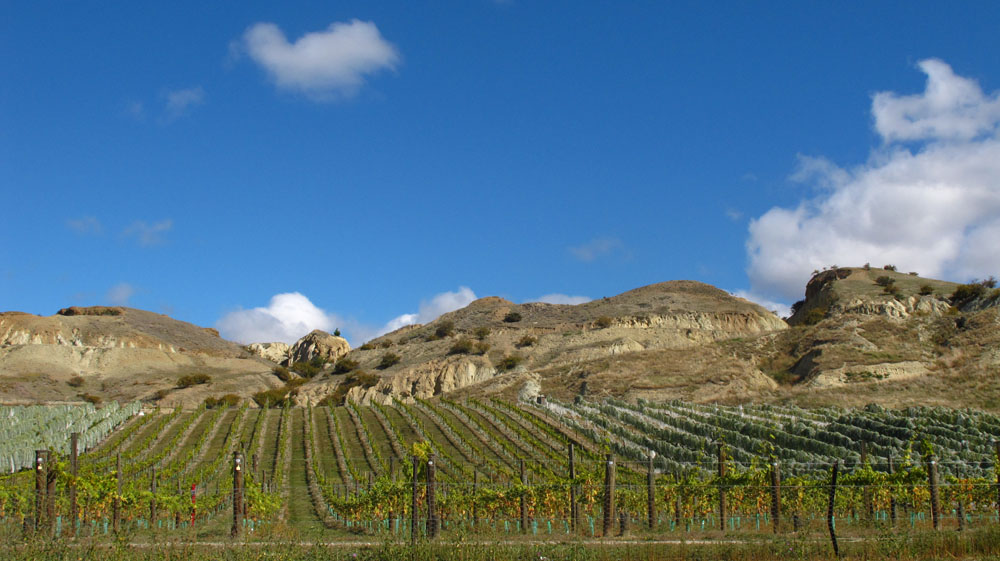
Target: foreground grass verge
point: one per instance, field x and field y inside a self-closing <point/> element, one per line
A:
<point x="977" y="544"/>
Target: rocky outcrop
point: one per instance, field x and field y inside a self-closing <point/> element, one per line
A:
<point x="319" y="344"/>
<point x="429" y="380"/>
<point x="275" y="352"/>
<point x="893" y="308"/>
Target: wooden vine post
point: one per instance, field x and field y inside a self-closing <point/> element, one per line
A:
<point x="892" y="494"/>
<point x="432" y="516"/>
<point x="413" y="501"/>
<point x="475" y="502"/>
<point x="829" y="509"/>
<point x="50" y="493"/>
<point x="996" y="466"/>
<point x="41" y="467"/>
<point x="651" y="492"/>
<point x="722" y="486"/>
<point x="116" y="505"/>
<point x="574" y="513"/>
<point x="866" y="491"/>
<point x="74" y="468"/>
<point x="237" y="493"/>
<point x="152" y="498"/>
<point x="609" y="494"/>
<point x="932" y="475"/>
<point x="775" y="496"/>
<point x="524" y="499"/>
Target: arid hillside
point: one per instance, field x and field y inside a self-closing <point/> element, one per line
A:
<point x="119" y="353"/>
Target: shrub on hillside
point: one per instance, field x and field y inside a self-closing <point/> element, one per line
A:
<point x="282" y="373"/>
<point x="445" y="329"/>
<point x="463" y="346"/>
<point x="367" y="347"/>
<point x="277" y="397"/>
<point x="228" y="400"/>
<point x="602" y="322"/>
<point x="512" y="317"/>
<point x="481" y="348"/>
<point x="509" y="362"/>
<point x="481" y="333"/>
<point x="358" y="378"/>
<point x="75" y="381"/>
<point x="345" y="365"/>
<point x="966" y="293"/>
<point x="389" y="359"/>
<point x="91" y="398"/>
<point x="526" y="341"/>
<point x="926" y="290"/>
<point x="884" y="281"/>
<point x="193" y="380"/>
<point x="814" y="316"/>
<point x="889" y="267"/>
<point x="306" y="369"/>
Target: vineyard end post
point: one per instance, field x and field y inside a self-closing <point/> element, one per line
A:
<point x="116" y="507"/>
<point x="524" y="499"/>
<point x="651" y="492"/>
<point x="432" y="515"/>
<point x="74" y="467"/>
<point x="609" y="494"/>
<point x="932" y="474"/>
<point x="775" y="496"/>
<point x="237" y="493"/>
<point x="413" y="501"/>
<point x="829" y="510"/>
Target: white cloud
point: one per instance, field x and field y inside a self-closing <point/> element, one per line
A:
<point x="597" y="248"/>
<point x="931" y="205"/>
<point x="287" y="318"/>
<point x="562" y="299"/>
<point x="430" y="310"/>
<point x="178" y="102"/>
<point x="85" y="225"/>
<point x="119" y="294"/>
<point x="147" y="234"/>
<point x="324" y="65"/>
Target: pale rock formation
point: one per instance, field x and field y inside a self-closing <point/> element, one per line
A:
<point x="275" y="352"/>
<point x="319" y="343"/>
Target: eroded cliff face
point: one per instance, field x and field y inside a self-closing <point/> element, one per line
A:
<point x="429" y="380"/>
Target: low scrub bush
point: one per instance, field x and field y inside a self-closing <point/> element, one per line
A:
<point x="345" y="365"/>
<point x="193" y="380"/>
<point x="358" y="378"/>
<point x="389" y="359"/>
<point x="282" y="373"/>
<point x="481" y="333"/>
<point x="884" y="281"/>
<point x="75" y="381"/>
<point x="966" y="293"/>
<point x="306" y="369"/>
<point x="814" y="316"/>
<point x="512" y="317"/>
<point x="463" y="346"/>
<point x="277" y="397"/>
<point x="91" y="398"/>
<point x="602" y="322"/>
<point x="481" y="348"/>
<point x="509" y="362"/>
<point x="367" y="346"/>
<point x="526" y="341"/>
<point x="228" y="400"/>
<point x="445" y="329"/>
<point x="926" y="290"/>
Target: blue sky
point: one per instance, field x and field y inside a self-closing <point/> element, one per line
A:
<point x="270" y="168"/>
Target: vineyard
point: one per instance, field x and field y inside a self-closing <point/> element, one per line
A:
<point x="428" y="468"/>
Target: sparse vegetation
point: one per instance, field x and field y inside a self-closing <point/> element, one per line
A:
<point x="889" y="267"/>
<point x="445" y="329"/>
<point x="345" y="365"/>
<point x="353" y="380"/>
<point x="282" y="373"/>
<point x="228" y="400"/>
<point x="160" y="394"/>
<point x="463" y="346"/>
<point x="512" y="317"/>
<point x="884" y="281"/>
<point x="509" y="362"/>
<point x="526" y="341"/>
<point x="389" y="359"/>
<point x="193" y="380"/>
<point x="814" y="316"/>
<point x="481" y="333"/>
<point x="926" y="290"/>
<point x="75" y="381"/>
<point x="277" y="397"/>
<point x="602" y="322"/>
<point x="309" y="369"/>
<point x="369" y="346"/>
<point x="91" y="398"/>
<point x="336" y="332"/>
<point x="966" y="293"/>
<point x="481" y="348"/>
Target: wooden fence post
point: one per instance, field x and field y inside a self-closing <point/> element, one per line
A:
<point x="74" y="468"/>
<point x="116" y="505"/>
<point x="609" y="494"/>
<point x="866" y="491"/>
<point x="829" y="510"/>
<point x="237" y="493"/>
<point x="775" y="496"/>
<point x="677" y="501"/>
<point x="432" y="516"/>
<point x="651" y="492"/>
<point x="722" y="486"/>
<point x="932" y="474"/>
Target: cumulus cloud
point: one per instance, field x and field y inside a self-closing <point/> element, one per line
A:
<point x="562" y="299"/>
<point x="779" y="308"/>
<point x="596" y="249"/>
<point x="85" y="225"/>
<point x="927" y="199"/>
<point x="286" y="318"/>
<point x="324" y="65"/>
<point x="119" y="294"/>
<point x="430" y="310"/>
<point x="179" y="102"/>
<point x="146" y="234"/>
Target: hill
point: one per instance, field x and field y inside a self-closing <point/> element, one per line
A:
<point x="119" y="353"/>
